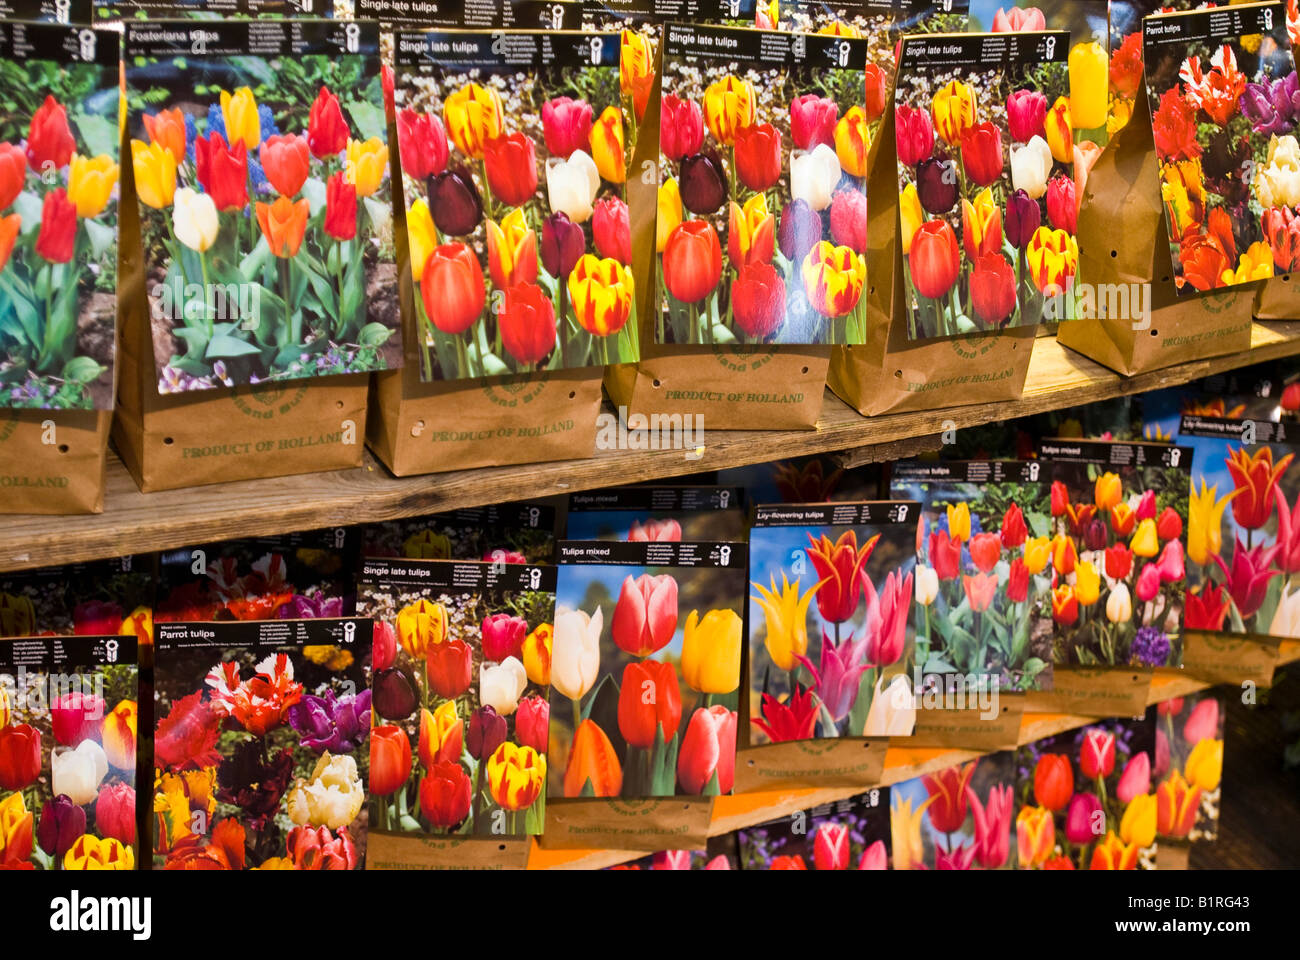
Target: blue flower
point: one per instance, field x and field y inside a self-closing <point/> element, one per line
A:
<point x="216" y="120"/>
<point x="267" y="121"/>
<point x="191" y="131"/>
<point x="1150" y="647"/>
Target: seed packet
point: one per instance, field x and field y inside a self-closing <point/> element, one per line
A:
<point x="115" y="11"/>
<point x="1242" y="536"/>
<point x="463" y="662"/>
<point x="812" y="479"/>
<point x="1188" y="766"/>
<point x="1212" y="82"/>
<point x="524" y="14"/>
<point x="849" y="834"/>
<point x="756" y="126"/>
<point x="957" y="819"/>
<point x="506" y="533"/>
<point x="533" y="268"/>
<point x="1266" y="391"/>
<point x="650" y="688"/>
<point x="292" y="576"/>
<point x="983" y="585"/>
<point x="68" y="717"/>
<point x="58" y="216"/>
<point x="1118" y="540"/>
<point x="615" y="14"/>
<point x="838" y="667"/>
<point x="98" y="598"/>
<point x="262" y="744"/>
<point x="265" y="218"/>
<point x="657" y="514"/>
<point x="1085" y="799"/>
<point x="985" y="164"/>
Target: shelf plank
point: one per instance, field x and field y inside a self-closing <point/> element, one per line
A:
<point x="133" y="522"/>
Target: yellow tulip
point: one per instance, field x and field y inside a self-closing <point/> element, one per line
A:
<point x="786" y="615"/>
<point x="515" y="776"/>
<point x="1120" y="112"/>
<point x="669" y="213"/>
<point x="607" y="145"/>
<point x="91" y="853"/>
<point x="959" y="521"/>
<point x="1138" y="825"/>
<point x="16" y="828"/>
<point x="421" y="240"/>
<point x="473" y="116"/>
<point x="1145" y="542"/>
<point x="1255" y="264"/>
<point x="1038" y="550"/>
<point x="420" y="625"/>
<point x="1087" y="583"/>
<point x="910" y="216"/>
<point x="90" y="184"/>
<point x="155" y="174"/>
<point x="1035" y="836"/>
<point x="1182" y="187"/>
<point x="1060" y="131"/>
<point x="635" y="64"/>
<point x="537" y="655"/>
<point x="242" y="122"/>
<point x="1204" y="765"/>
<point x="1107" y="491"/>
<point x="1089" y="82"/>
<point x="177" y="798"/>
<point x="6" y="711"/>
<point x="851" y="141"/>
<point x="905" y="832"/>
<point x="953" y="109"/>
<point x="729" y="106"/>
<point x="367" y="162"/>
<point x="425" y="544"/>
<point x="711" y="651"/>
<point x="1205" y="522"/>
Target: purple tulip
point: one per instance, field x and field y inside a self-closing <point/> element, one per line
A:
<point x="1094" y="535"/>
<point x="936" y="185"/>
<point x="702" y="182"/>
<point x="801" y="228"/>
<point x="487" y="731"/>
<point x="1022" y="219"/>
<point x="455" y="203"/>
<point x="312" y="606"/>
<point x="62" y="822"/>
<point x="839" y="678"/>
<point x="562" y="245"/>
<point x="337" y="724"/>
<point x="396" y="694"/>
<point x="1272" y="107"/>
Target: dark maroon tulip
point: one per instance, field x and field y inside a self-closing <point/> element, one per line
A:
<point x="562" y="245"/>
<point x="487" y="731"/>
<point x="800" y="229"/>
<point x="703" y="183"/>
<point x="455" y="203"/>
<point x="936" y="185"/>
<point x="62" y="822"/>
<point x="1094" y="535"/>
<point x="1022" y="219"/>
<point x="395" y="693"/>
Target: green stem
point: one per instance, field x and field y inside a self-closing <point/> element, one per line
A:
<point x="577" y="716"/>
<point x="207" y="301"/>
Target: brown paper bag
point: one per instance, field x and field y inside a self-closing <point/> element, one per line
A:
<point x="968" y="729"/>
<point x="842" y="762"/>
<point x="1121" y="208"/>
<point x="52" y="462"/>
<point x="387" y="851"/>
<point x="1093" y="692"/>
<point x="1279" y="298"/>
<point x="891" y="374"/>
<point x="1224" y="658"/>
<point x="664" y="823"/>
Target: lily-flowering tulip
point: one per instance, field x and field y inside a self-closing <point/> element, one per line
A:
<point x="1207" y="609"/>
<point x="422" y="144"/>
<point x="532" y="723"/>
<point x="283" y="223"/>
<point x="887" y="633"/>
<point x="645" y="616"/>
<point x="62" y="822"/>
<point x="1097" y="753"/>
<point x="842" y="667"/>
<point x="914" y="134"/>
<point x="1053" y="781"/>
<point x="1204" y="527"/>
<point x="692" y="261"/>
<point x="992" y="826"/>
<point x="833" y="279"/>
<point x="243" y="122"/>
<point x="711" y="646"/>
<point x="814" y="177"/>
<point x="953" y="109"/>
<point x="516" y="776"/>
<point x="800" y="230"/>
<point x="592" y="761"/>
<point x="945" y="555"/>
<point x="1035" y="836"/>
<point x="452" y="288"/>
<point x="948" y="789"/>
<point x="474" y="115"/>
<point x="327" y="131"/>
<point x="668" y="212"/>
<point x="785" y="615"/>
<point x="1113" y="854"/>
<point x="849" y="220"/>
<point x="831" y="847"/>
<point x="681" y="127"/>
<point x="981" y="153"/>
<point x="442" y="735"/>
<point x="445" y="795"/>
<point x="794" y="719"/>
<point x="78" y="772"/>
<point x="1037" y="553"/>
<point x="1084" y="820"/>
<point x="708" y="750"/>
<point x="90" y="184"/>
<point x="49" y="138"/>
<point x="851" y="141"/>
<point x="840" y="567"/>
<point x="1177" y="806"/>
<point x="649" y="699"/>
<point x="1065" y="605"/>
<point x="501" y="685"/>
<point x="607" y="145"/>
<point x="758" y="156"/>
<point x="751" y="232"/>
<point x="905" y="833"/>
<point x="575" y="651"/>
<point x="758" y="299"/>
<point x="1255" y="477"/>
<point x="992" y="289"/>
<point x="981" y="225"/>
<point x="812" y="121"/>
<point x="1026" y="115"/>
<point x="729" y="107"/>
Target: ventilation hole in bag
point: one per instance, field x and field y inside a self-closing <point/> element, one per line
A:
<point x="168" y="441"/>
<point x="339" y="404"/>
<point x="750" y="762"/>
<point x="1286" y="278"/>
<point x="501" y="847"/>
<point x="572" y="394"/>
<point x="656" y="383"/>
<point x="1155" y="333"/>
<point x="803" y="369"/>
<point x="1164" y="279"/>
<point x="898" y="374"/>
<point x="1114" y="254"/>
<point x="63" y="448"/>
<point x="418" y="428"/>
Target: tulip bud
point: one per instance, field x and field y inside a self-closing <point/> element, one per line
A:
<point x="62" y="822"/>
<point x="1119" y="606"/>
<point x="383" y="646"/>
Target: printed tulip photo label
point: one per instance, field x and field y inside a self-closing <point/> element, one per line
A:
<point x="813" y="479"/>
<point x="266" y="218"/>
<point x="960" y="818"/>
<point x="985" y="147"/>
<point x="852" y="834"/>
<point x="763" y="157"/>
<point x="104" y="597"/>
<point x="58" y="217"/>
<point x="68" y="733"/>
<point x="983" y="583"/>
<point x="657" y="514"/>
<point x="645" y="669"/>
<point x="262" y="744"/>
<point x="506" y="533"/>
<point x="1126" y="53"/>
<point x="1188" y="766"/>
<point x="882" y="22"/>
<point x="830" y="635"/>
<point x="513" y="157"/>
<point x="1119" y="542"/>
<point x="1225" y="137"/>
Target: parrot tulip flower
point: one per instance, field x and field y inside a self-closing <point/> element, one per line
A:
<point x="708" y="750"/>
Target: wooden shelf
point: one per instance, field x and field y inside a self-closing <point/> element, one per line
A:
<point x="901" y="763"/>
<point x="135" y="522"/>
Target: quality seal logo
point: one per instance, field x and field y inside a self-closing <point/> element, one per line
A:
<point x="633" y="808"/>
<point x="817" y="748"/>
<point x="8" y="427"/>
<point x="1217" y="302"/>
<point x="514" y="392"/>
<point x="974" y="346"/>
<point x="267" y="401"/>
<point x="739" y="359"/>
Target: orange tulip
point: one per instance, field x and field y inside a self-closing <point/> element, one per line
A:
<point x="284" y="224"/>
<point x="390" y="759"/>
<point x="119" y="735"/>
<point x="167" y="129"/>
<point x="592" y="760"/>
<point x="692" y="261"/>
<point x="1113" y="854"/>
<point x="1177" y="803"/>
<point x="1035" y="835"/>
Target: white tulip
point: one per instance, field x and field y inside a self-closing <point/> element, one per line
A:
<point x="1278" y="184"/>
<point x="575" y="651"/>
<point x="1286" y="621"/>
<point x="79" y="772"/>
<point x="893" y="709"/>
<point x="194" y="217"/>
<point x="571" y="186"/>
<point x="814" y="176"/>
<point x="332" y="797"/>
<point x="927" y="585"/>
<point x="1119" y="605"/>
<point x="1031" y="165"/>
<point x="501" y="685"/>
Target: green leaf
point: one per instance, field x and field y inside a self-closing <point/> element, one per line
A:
<point x="102" y="237"/>
<point x="98" y="134"/>
<point x="314" y="191"/>
<point x="29" y="205"/>
<point x="380" y="214"/>
<point x="82" y="370"/>
<point x="373" y="335"/>
<point x="370" y="119"/>
<point x="223" y="346"/>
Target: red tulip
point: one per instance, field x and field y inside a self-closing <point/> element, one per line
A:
<point x="1097" y="753"/>
<point x="612" y="230"/>
<point x="1171" y="707"/>
<point x="758" y="299"/>
<point x="503" y="636"/>
<point x="13" y="173"/>
<point x="708" y="748"/>
<point x="58" y="227"/>
<point x="1060" y="498"/>
<point x="1027" y="115"/>
<point x="327" y="131"/>
<point x="1206" y="610"/>
<point x="1053" y="781"/>
<point x="286" y="161"/>
<point x="340" y="207"/>
<point x="949" y="789"/>
<point x="812" y="121"/>
<point x="511" y="168"/>
<point x="877" y="91"/>
<point x="980" y="590"/>
<point x="914" y="134"/>
<point x="981" y="153"/>
<point x="787" y="863"/>
<point x="758" y="156"/>
<point x="792" y="720"/>
<point x="1018" y="581"/>
<point x="527" y="322"/>
<point x="1169" y="525"/>
<point x="935" y="259"/>
<point x="831" y="847"/>
<point x="20" y="756"/>
<point x="1146" y="508"/>
<point x="383" y="646"/>
<point x="849" y="219"/>
<point x="992" y="289"/>
<point x="422" y="144"/>
<point x="841" y="565"/>
<point x="985" y="551"/>
<point x="1119" y="561"/>
<point x="532" y="723"/>
<point x="390" y="759"/>
<point x="945" y="555"/>
<point x="1202" y="723"/>
<point x="115" y="812"/>
<point x="221" y="171"/>
<point x="75" y="717"/>
<point x="445" y="794"/>
<point x="645" y="615"/>
<point x="451" y="665"/>
<point x="692" y="261"/>
<point x="1062" y="208"/>
<point x="681" y="127"/>
<point x="318" y="849"/>
<point x="649" y="698"/>
<point x="388" y="82"/>
<point x="566" y="126"/>
<point x="452" y="288"/>
<point x="1013" y="532"/>
<point x="49" y="139"/>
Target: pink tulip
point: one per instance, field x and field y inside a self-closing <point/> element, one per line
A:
<point x="566" y="126"/>
<point x="1146" y="508"/>
<point x="1170" y="563"/>
<point x="1084" y="820"/>
<point x="1248" y="578"/>
<point x="960" y="858"/>
<point x="1019" y="20"/>
<point x="875" y="857"/>
<point x="1136" y="779"/>
<point x="75" y="717"/>
<point x="383" y="646"/>
<point x="671" y="860"/>
<point x="812" y="121"/>
<point x="1203" y="722"/>
<point x="992" y="826"/>
<point x="889" y="630"/>
<point x="1097" y="753"/>
<point x="720" y="862"/>
<point x="841" y="670"/>
<point x="1162" y="753"/>
<point x="645" y="615"/>
<point x="1288" y="533"/>
<point x="1148" y="584"/>
<point x="503" y="637"/>
<point x="655" y="531"/>
<point x="1026" y="115"/>
<point x="831" y="847"/>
